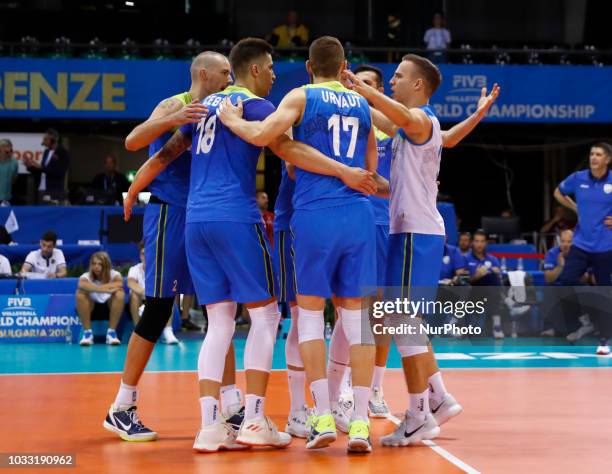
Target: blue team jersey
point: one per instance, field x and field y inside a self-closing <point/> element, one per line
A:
<point x="336" y="122"/>
<point x="172" y="184"/>
<point x="381" y="205"/>
<point x="551" y="258"/>
<point x="283" y="207"/>
<point x="594" y="200"/>
<point x="223" y="166"/>
<point x="452" y="260"/>
<point x="489" y="261"/>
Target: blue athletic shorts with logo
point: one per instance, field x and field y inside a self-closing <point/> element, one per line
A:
<point x="284" y="266"/>
<point x="382" y="250"/>
<point x="166" y="270"/>
<point x="335" y="250"/>
<point x="229" y="261"/>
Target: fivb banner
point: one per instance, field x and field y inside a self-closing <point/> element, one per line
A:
<point x="129" y="89"/>
<point x="38" y="318"/>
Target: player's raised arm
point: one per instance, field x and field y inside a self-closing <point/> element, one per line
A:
<point x="151" y="168"/>
<point x="261" y="133"/>
<point x="168" y="114"/>
<point x="455" y="134"/>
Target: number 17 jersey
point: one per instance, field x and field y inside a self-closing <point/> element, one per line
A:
<point x="336" y="122"/>
<point x="223" y="166"/>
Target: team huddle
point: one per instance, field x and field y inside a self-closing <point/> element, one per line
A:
<point x="356" y="211"/>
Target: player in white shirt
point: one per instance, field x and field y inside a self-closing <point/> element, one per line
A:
<point x="5" y="266"/>
<point x="136" y="284"/>
<point x="101" y="285"/>
<point x="48" y="262"/>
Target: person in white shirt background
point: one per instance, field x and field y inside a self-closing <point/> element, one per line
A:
<point x="437" y="39"/>
<point x="48" y="262"/>
<point x="5" y="266"/>
<point x="101" y="287"/>
<point x="136" y="284"/>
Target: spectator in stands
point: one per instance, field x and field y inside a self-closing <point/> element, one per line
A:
<point x="484" y="270"/>
<point x="465" y="243"/>
<point x="558" y="222"/>
<point x="437" y="39"/>
<point x="592" y="244"/>
<point x="506" y="214"/>
<point x="100" y="293"/>
<point x="111" y="181"/>
<point x="51" y="171"/>
<point x="8" y="171"/>
<point x="291" y="33"/>
<point x="453" y="265"/>
<point x="268" y="217"/>
<point x="47" y="262"/>
<point x="5" y="266"/>
<point x="136" y="284"/>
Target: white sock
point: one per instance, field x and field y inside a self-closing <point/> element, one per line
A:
<point x="230" y="400"/>
<point x="209" y="408"/>
<point x="345" y="385"/>
<point x="437" y="389"/>
<point x="377" y="377"/>
<point x="335" y="374"/>
<point x="168" y="331"/>
<point x="254" y="406"/>
<point x="496" y="320"/>
<point x="362" y="395"/>
<point x="296" y="380"/>
<point x="419" y="404"/>
<point x="126" y="396"/>
<point x="320" y="394"/>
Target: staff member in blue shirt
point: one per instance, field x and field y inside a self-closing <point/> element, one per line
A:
<point x="453" y="265"/>
<point x="592" y="244"/>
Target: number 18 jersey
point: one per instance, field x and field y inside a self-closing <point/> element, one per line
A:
<point x="223" y="166"/>
<point x="336" y="122"/>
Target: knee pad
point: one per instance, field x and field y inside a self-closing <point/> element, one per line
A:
<point x="339" y="350"/>
<point x="259" y="346"/>
<point x="221" y="325"/>
<point x="356" y="330"/>
<point x="311" y="325"/>
<point x="154" y="318"/>
<point x="409" y="351"/>
<point x="292" y="345"/>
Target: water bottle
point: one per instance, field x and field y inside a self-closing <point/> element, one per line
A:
<point x="68" y="334"/>
<point x="519" y="265"/>
<point x="504" y="267"/>
<point x="328" y="331"/>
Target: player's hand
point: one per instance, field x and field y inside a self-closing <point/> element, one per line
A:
<point x="560" y="260"/>
<point x="229" y="113"/>
<point x="354" y="83"/>
<point x="191" y="113"/>
<point x="485" y="101"/>
<point x="481" y="271"/>
<point x="608" y="222"/>
<point x="128" y="204"/>
<point x="359" y="180"/>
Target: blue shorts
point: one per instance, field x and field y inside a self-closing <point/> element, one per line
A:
<point x="414" y="261"/>
<point x="335" y="251"/>
<point x="382" y="250"/>
<point x="229" y="261"/>
<point x="166" y="270"/>
<point x="284" y="266"/>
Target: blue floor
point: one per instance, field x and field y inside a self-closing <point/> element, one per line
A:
<point x="511" y="353"/>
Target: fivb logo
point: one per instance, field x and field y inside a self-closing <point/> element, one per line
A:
<point x="17" y="302"/>
<point x="466" y="82"/>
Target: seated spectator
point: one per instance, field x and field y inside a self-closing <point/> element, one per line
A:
<point x="111" y="181"/>
<point x="484" y="270"/>
<point x="465" y="243"/>
<point x="50" y="172"/>
<point x="453" y="265"/>
<point x="136" y="284"/>
<point x="290" y="34"/>
<point x="268" y="217"/>
<point x="558" y="222"/>
<point x="8" y="171"/>
<point x="5" y="267"/>
<point x="48" y="262"/>
<point x="100" y="291"/>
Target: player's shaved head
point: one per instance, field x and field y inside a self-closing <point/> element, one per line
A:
<point x="427" y="71"/>
<point x="326" y="56"/>
<point x="246" y="52"/>
<point x="206" y="60"/>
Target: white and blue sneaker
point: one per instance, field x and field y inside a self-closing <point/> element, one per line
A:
<point x="235" y="420"/>
<point x="87" y="338"/>
<point x="127" y="425"/>
<point x="111" y="338"/>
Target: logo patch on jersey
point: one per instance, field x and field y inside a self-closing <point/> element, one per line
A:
<point x="607" y="188"/>
<point x="585" y="186"/>
<point x="446" y="259"/>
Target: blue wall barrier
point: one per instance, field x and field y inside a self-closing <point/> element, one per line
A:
<point x="129" y="89"/>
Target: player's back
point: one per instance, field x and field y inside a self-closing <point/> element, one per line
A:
<point x="223" y="166"/>
<point x="337" y="122"/>
<point x="172" y="184"/>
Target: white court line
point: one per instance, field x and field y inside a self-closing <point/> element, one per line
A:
<point x="441" y="451"/>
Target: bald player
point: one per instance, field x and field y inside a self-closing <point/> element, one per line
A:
<point x="167" y="273"/>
